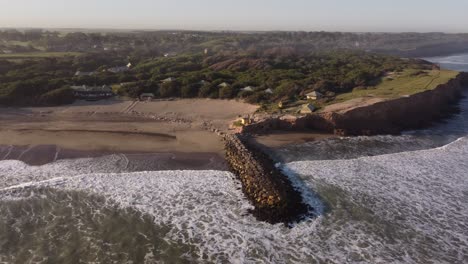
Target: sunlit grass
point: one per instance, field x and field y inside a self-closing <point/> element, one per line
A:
<point x="401" y="84"/>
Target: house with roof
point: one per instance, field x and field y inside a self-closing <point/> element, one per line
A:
<point x="92" y="93"/>
<point x="168" y="80"/>
<point x="248" y="89"/>
<point x="268" y="91"/>
<point x="224" y="84"/>
<point x="147" y="97"/>
<point x="307" y="109"/>
<point x="314" y="95"/>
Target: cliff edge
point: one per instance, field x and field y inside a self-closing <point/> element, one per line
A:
<point x="375" y="116"/>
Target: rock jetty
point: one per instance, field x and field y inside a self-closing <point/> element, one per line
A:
<point x="270" y="191"/>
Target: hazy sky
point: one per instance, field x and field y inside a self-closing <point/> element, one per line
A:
<point x="309" y="15"/>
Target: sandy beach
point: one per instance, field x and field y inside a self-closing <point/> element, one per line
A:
<point x="158" y="135"/>
<point x="179" y="131"/>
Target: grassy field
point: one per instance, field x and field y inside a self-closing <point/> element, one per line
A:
<point x="400" y="84"/>
<point x="33" y="55"/>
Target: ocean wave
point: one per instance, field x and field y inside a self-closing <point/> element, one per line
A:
<point x="409" y="207"/>
<point x="422" y="192"/>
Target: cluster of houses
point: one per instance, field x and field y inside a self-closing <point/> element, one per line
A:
<point x="92" y="93"/>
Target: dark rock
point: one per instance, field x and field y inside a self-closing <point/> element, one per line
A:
<point x="272" y="194"/>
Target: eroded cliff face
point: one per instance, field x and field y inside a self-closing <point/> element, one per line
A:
<point x="386" y="117"/>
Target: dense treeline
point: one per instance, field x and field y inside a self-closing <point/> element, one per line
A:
<point x="261" y="68"/>
<point x="268" y="78"/>
<point x="271" y="79"/>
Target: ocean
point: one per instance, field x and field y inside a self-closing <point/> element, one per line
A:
<point x="380" y="199"/>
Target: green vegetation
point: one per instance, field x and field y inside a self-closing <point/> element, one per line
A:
<point x="258" y="68"/>
<point x="400" y="84"/>
<point x="33" y="55"/>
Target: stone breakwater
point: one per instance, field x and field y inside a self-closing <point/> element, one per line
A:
<point x="385" y="117"/>
<point x="270" y="191"/>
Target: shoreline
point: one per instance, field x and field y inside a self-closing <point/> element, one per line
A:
<point x="38" y="155"/>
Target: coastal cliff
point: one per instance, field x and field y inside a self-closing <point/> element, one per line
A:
<point x="385" y="117"/>
<point x="270" y="191"/>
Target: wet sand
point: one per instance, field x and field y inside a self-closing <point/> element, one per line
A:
<point x="136" y="161"/>
<point x="154" y="135"/>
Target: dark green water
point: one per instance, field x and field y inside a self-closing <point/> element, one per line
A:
<point x="73" y="227"/>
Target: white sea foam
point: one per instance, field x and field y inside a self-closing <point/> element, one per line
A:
<point x="403" y="208"/>
<point x="424" y="193"/>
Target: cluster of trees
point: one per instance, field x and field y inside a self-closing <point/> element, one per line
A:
<point x="46" y="81"/>
<point x="286" y="64"/>
<point x="287" y="77"/>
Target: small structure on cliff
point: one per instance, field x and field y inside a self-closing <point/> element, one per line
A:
<point x="314" y="95"/>
<point x="307" y="109"/>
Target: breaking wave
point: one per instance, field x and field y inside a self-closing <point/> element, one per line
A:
<point x="377" y="208"/>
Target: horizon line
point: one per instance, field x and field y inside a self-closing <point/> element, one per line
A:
<point x="222" y="30"/>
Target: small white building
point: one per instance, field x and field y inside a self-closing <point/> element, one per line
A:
<point x="224" y="84"/>
<point x="268" y="91"/>
<point x="248" y="89"/>
<point x="168" y="80"/>
<point x="314" y="95"/>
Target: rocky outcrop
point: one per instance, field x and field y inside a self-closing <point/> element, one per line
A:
<point x="272" y="194"/>
<point x="385" y="117"/>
